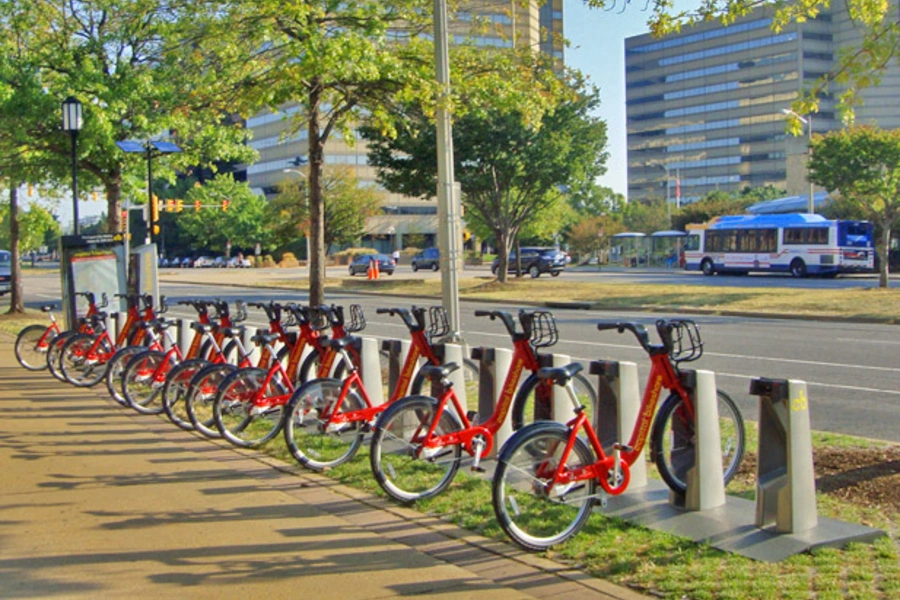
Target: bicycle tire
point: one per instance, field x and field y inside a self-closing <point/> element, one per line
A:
<point x="529" y="406"/>
<point x="198" y="402"/>
<point x="236" y="417"/>
<point x="673" y="461"/>
<point x="395" y="454"/>
<point x="305" y="434"/>
<point x="54" y="354"/>
<point x="143" y="381"/>
<point x="178" y="382"/>
<point x="76" y="367"/>
<point x="116" y="369"/>
<point x="472" y="377"/>
<point x="32" y="345"/>
<point x="525" y="512"/>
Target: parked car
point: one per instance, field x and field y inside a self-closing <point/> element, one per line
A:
<point x="360" y="264"/>
<point x="220" y="262"/>
<point x="430" y="258"/>
<point x="238" y="263"/>
<point x="536" y="261"/>
<point x="163" y="262"/>
<point x="203" y="262"/>
<point x="186" y="262"/>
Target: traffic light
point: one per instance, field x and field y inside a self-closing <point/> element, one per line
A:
<point x="154" y="209"/>
<point x="95" y="196"/>
<point x="170" y="205"/>
<point x="197" y="206"/>
<point x="225" y="204"/>
<point x="30" y="190"/>
<point x="179" y="205"/>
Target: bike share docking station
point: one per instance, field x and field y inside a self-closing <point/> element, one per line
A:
<point x="781" y="522"/>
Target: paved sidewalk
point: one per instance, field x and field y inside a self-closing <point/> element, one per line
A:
<point x="100" y="502"/>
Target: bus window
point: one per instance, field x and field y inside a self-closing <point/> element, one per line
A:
<point x="692" y="243"/>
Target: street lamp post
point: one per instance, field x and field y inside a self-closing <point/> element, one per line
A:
<point x="72" y="122"/>
<point x="807" y="120"/>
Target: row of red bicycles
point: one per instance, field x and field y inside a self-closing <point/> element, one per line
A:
<point x="304" y="377"/>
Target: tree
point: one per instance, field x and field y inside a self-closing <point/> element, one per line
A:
<point x="127" y="62"/>
<point x="347" y="206"/>
<point x="862" y="164"/>
<point x="714" y="204"/>
<point x="592" y="236"/>
<point x="510" y="171"/>
<point x="213" y="227"/>
<point x="646" y="217"/>
<point x="35" y="224"/>
<point x="591" y="199"/>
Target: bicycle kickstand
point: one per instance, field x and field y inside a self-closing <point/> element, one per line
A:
<point x="478" y="445"/>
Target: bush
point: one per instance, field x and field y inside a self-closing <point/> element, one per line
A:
<point x="288" y="260"/>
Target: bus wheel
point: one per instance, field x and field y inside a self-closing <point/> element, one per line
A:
<point x="707" y="267"/>
<point x="798" y="268"/>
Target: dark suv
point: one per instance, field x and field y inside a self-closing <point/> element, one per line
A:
<point x="536" y="261"/>
<point x="430" y="258"/>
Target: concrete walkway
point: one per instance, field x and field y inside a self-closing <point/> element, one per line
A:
<point x="101" y="502"/>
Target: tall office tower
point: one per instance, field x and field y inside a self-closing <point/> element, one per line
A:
<point x="704" y="107"/>
<point x="282" y="155"/>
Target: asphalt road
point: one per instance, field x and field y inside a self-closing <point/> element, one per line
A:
<point x="852" y="369"/>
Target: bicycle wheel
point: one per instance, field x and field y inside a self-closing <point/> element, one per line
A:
<point x="241" y="421"/>
<point x="533" y="401"/>
<point x="116" y="369"/>
<point x="198" y="401"/>
<point x="533" y="516"/>
<point x="32" y="345"/>
<point x="470" y="372"/>
<point x="82" y="363"/>
<point x="310" y="368"/>
<point x="178" y="382"/>
<point x="54" y="353"/>
<point x="143" y="381"/>
<point x="672" y="441"/>
<point x="315" y="444"/>
<point x="401" y="467"/>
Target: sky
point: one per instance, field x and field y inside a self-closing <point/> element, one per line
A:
<point x="597" y="48"/>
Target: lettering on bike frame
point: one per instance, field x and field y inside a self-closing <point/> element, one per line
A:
<point x="523" y="358"/>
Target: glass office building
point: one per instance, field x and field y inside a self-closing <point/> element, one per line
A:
<point x="535" y="25"/>
<point x="704" y="107"/>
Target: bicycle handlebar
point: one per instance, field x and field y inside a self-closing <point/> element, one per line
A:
<point x="639" y="331"/>
<point x="507" y="319"/>
<point x="414" y="319"/>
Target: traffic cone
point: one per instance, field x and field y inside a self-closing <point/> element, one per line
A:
<point x="370" y="272"/>
<point x="377" y="271"/>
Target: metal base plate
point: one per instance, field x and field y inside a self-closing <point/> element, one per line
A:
<point x="731" y="527"/>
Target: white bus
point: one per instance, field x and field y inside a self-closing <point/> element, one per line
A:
<point x="5" y="272"/>
<point x="799" y="244"/>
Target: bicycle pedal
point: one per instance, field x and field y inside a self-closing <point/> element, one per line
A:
<point x="478" y="469"/>
<point x="472" y="416"/>
<point x="623" y="448"/>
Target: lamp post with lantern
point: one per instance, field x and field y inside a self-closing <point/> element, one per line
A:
<point x="72" y="122"/>
<point x="807" y="120"/>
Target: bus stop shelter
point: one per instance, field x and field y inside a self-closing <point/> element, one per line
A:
<point x="629" y="249"/>
<point x="666" y="248"/>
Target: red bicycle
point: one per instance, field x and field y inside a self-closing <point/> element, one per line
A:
<point x="545" y="484"/>
<point x="418" y="442"/>
<point x="34" y="341"/>
<point x="326" y="418"/>
<point x="54" y="352"/>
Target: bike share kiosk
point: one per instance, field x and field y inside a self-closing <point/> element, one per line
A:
<point x="97" y="263"/>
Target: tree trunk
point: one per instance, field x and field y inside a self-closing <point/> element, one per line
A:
<point x="15" y="291"/>
<point x="884" y="271"/>
<point x="316" y="207"/>
<point x="113" y="205"/>
<point x="502" y="256"/>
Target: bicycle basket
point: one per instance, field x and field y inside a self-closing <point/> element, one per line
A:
<point x="686" y="343"/>
<point x="357" y="319"/>
<point x="543" y="329"/>
<point x="438" y="325"/>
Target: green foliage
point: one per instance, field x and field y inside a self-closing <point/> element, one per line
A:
<point x="716" y="204"/>
<point x="646" y="217"/>
<point x="511" y="173"/>
<point x="594" y="200"/>
<point x="347" y="206"/>
<point x="592" y="236"/>
<point x="213" y="227"/>
<point x="862" y="164"/>
<point x="36" y="226"/>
